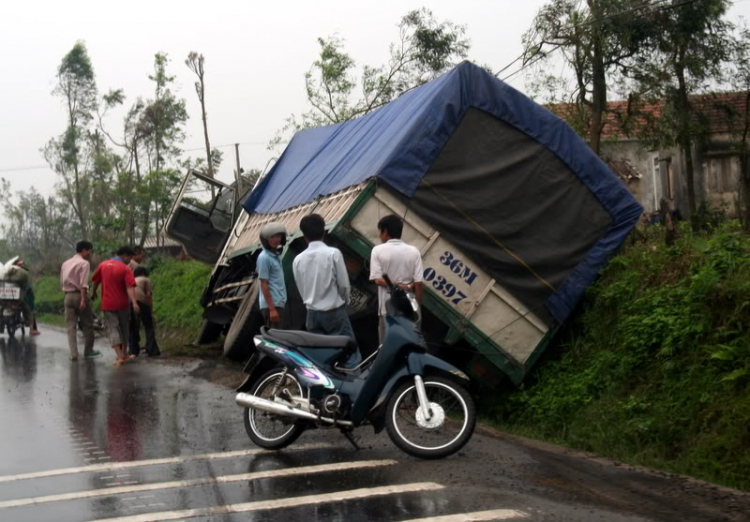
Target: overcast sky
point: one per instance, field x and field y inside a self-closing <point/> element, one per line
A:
<point x="256" y="55"/>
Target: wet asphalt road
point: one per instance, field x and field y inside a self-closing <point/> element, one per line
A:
<point x="153" y="441"/>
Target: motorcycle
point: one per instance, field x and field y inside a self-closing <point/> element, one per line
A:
<point x="11" y="309"/>
<point x="296" y="381"/>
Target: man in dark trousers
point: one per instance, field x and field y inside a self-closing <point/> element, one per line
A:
<point x="323" y="283"/>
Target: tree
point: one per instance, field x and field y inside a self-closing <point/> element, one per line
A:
<point x="195" y="63"/>
<point x="740" y="123"/>
<point x="36" y="228"/>
<point x="160" y="126"/>
<point x="425" y="48"/>
<point x="151" y="134"/>
<point x="595" y="41"/>
<point x="77" y="87"/>
<point x="692" y="45"/>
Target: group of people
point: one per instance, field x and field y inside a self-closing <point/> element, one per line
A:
<point x="127" y="301"/>
<point x="323" y="281"/>
<point x="319" y="272"/>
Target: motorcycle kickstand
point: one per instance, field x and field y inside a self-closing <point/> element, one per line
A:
<point x="351" y="438"/>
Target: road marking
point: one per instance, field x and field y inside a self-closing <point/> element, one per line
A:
<point x="129" y="487"/>
<point x="495" y="514"/>
<point x="245" y="507"/>
<point x="109" y="466"/>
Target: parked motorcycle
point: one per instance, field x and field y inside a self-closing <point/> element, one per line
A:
<point x="296" y="381"/>
<point x="11" y="309"/>
<point x="14" y="282"/>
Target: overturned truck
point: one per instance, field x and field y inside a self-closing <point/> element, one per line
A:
<point x="513" y="213"/>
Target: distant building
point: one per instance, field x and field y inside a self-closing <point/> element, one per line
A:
<point x="654" y="174"/>
<point x="163" y="245"/>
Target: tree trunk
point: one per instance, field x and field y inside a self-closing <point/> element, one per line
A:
<point x="599" y="80"/>
<point x="684" y="138"/>
<point x="745" y="167"/>
<point x="205" y="129"/>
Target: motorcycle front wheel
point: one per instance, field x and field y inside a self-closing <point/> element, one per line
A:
<point x="434" y="436"/>
<point x="267" y="430"/>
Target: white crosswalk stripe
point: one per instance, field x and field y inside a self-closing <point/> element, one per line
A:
<point x="140" y="463"/>
<point x="129" y="488"/>
<point x="477" y="516"/>
<point x="267" y="505"/>
<point x="132" y="500"/>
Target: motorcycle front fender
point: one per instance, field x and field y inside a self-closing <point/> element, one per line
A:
<point x="426" y="364"/>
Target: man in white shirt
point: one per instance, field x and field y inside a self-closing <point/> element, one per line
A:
<point x="402" y="264"/>
<point x="323" y="283"/>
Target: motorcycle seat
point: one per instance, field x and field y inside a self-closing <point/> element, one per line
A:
<point x="298" y="338"/>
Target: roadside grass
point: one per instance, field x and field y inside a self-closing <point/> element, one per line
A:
<point x="655" y="367"/>
<point x="178" y="286"/>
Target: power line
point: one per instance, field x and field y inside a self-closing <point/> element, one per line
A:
<point x="228" y="145"/>
<point x="20" y="169"/>
<point x="39" y="167"/>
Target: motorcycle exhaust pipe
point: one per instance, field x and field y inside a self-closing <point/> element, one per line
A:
<point x="251" y="401"/>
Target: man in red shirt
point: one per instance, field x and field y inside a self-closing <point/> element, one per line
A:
<point x="118" y="290"/>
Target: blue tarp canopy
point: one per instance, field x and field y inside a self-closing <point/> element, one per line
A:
<point x="465" y="135"/>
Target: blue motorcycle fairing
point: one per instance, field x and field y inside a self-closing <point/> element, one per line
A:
<point x="325" y="357"/>
<point x="307" y="373"/>
<point x="398" y="342"/>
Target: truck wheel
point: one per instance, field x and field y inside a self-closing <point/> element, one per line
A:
<point x="208" y="332"/>
<point x="238" y="344"/>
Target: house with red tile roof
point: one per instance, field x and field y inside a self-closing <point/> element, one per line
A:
<point x="652" y="173"/>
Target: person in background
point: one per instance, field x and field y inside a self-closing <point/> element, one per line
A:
<point x="139" y="256"/>
<point x="134" y="327"/>
<point x="323" y="282"/>
<point x="402" y="264"/>
<point x="272" y="298"/>
<point x="74" y="282"/>
<point x="144" y="297"/>
<point x="118" y="293"/>
<point x="28" y="299"/>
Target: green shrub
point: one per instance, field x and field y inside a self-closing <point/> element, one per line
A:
<point x="48" y="296"/>
<point x="655" y="367"/>
<point x="178" y="286"/>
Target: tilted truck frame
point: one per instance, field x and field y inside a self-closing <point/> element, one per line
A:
<point x="469" y="317"/>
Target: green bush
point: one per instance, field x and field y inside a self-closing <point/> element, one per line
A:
<point x="655" y="367"/>
<point x="48" y="296"/>
<point x="178" y="286"/>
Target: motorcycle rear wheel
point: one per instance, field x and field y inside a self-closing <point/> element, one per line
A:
<point x="267" y="430"/>
<point x="447" y="432"/>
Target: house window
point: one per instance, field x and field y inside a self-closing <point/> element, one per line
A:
<point x="722" y="174"/>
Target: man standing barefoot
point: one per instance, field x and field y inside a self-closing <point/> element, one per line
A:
<point x="118" y="290"/>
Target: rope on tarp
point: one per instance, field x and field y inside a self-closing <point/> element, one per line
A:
<point x="487" y="233"/>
